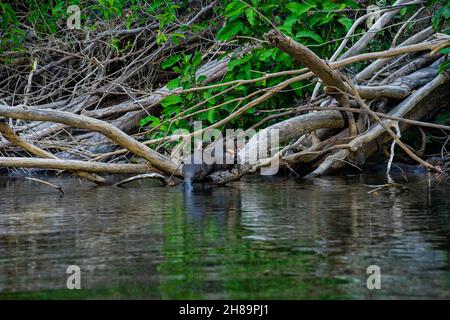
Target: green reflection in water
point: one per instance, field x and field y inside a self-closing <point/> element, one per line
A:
<point x="211" y="256"/>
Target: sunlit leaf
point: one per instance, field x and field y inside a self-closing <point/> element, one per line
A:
<point x="309" y="34"/>
<point x="444" y="66"/>
<point x="229" y="31"/>
<point x="237" y="62"/>
<point x="234" y="9"/>
<point x="346" y="22"/>
<point x="154" y="121"/>
<point x="170" y="61"/>
<point x="211" y="114"/>
<point x="299" y="8"/>
<point x="170" y="100"/>
<point x="251" y="16"/>
<point x="172" y="84"/>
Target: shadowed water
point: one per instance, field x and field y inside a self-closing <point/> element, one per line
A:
<point x="258" y="238"/>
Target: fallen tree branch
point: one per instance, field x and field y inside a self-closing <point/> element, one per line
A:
<point x="113" y="133"/>
<point x="157" y="176"/>
<point x="394" y="136"/>
<point x="405" y="107"/>
<point x="347" y="37"/>
<point x="378" y="64"/>
<point x="372" y="32"/>
<point x="306" y="75"/>
<point x="411" y="67"/>
<point x="303" y="75"/>
<point x="12" y="137"/>
<point x="130" y="120"/>
<point x="330" y="78"/>
<point x="286" y="130"/>
<point x="334" y="79"/>
<point x="59" y="188"/>
<point x="75" y="165"/>
<point x="380" y="114"/>
<point x="385" y="91"/>
<point x="308" y="58"/>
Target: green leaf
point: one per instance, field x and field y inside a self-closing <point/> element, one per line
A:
<point x="446" y="13"/>
<point x="328" y="5"/>
<point x="299" y="9"/>
<point x="309" y="34"/>
<point x="170" y="61"/>
<point x="247" y="70"/>
<point x="266" y="54"/>
<point x="297" y="86"/>
<point x="160" y="38"/>
<point x="443" y="118"/>
<point x="207" y="95"/>
<point x="197" y="60"/>
<point x="346" y="22"/>
<point x="170" y="100"/>
<point x="172" y="84"/>
<point x="289" y="22"/>
<point x="187" y="57"/>
<point x="444" y="66"/>
<point x="445" y="51"/>
<point x="403" y="11"/>
<point x="229" y="31"/>
<point x="211" y="114"/>
<point x="250" y="14"/>
<point x="234" y="9"/>
<point x="170" y="110"/>
<point x="441" y="14"/>
<point x="351" y="4"/>
<point x="281" y="56"/>
<point x="179" y="35"/>
<point x="237" y="62"/>
<point x="175" y="40"/>
<point x="150" y="119"/>
<point x="201" y="78"/>
<point x="115" y="43"/>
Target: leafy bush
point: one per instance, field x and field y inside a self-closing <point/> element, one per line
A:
<point x="319" y="24"/>
<point x="314" y="23"/>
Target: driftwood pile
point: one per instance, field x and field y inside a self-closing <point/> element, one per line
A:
<point x="79" y="109"/>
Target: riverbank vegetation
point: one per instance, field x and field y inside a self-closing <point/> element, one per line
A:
<point x="107" y="91"/>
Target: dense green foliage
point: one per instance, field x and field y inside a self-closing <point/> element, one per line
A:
<point x="441" y="22"/>
<point x="317" y="23"/>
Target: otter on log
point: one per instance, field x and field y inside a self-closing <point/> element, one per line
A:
<point x="196" y="169"/>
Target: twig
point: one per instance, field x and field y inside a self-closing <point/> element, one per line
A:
<point x="59" y="188"/>
<point x="157" y="176"/>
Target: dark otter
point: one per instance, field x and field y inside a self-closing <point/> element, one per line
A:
<point x="196" y="169"/>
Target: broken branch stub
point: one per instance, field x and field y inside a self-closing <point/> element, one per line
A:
<point x="309" y="59"/>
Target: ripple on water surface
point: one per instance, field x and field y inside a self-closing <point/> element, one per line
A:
<point x="257" y="238"/>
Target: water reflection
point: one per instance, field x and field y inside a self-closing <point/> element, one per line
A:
<point x="255" y="239"/>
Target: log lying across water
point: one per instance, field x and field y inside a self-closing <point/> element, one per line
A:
<point x="105" y="128"/>
<point x="75" y="165"/>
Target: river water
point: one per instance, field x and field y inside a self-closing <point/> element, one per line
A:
<point x="256" y="239"/>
